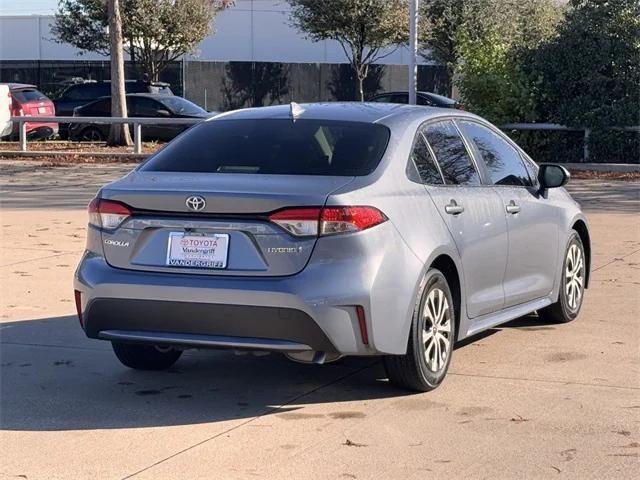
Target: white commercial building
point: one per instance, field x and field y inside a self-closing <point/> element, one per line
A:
<point x="251" y="30"/>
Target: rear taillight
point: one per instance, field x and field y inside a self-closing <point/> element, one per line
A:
<point x="107" y="214"/>
<point x="78" y="298"/>
<point x="16" y="109"/>
<point x="313" y="221"/>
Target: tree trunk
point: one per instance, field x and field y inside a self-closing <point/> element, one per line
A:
<point x="360" y="85"/>
<point x="118" y="134"/>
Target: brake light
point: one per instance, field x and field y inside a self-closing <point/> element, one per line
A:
<point x="314" y="221"/>
<point x="107" y="214"/>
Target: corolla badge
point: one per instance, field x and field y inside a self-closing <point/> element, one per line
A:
<point x="116" y="243"/>
<point x="196" y="203"/>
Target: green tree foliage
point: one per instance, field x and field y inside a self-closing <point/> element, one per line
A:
<point x="364" y="28"/>
<point x="156" y="32"/>
<point x="589" y="75"/>
<point x="492" y="46"/>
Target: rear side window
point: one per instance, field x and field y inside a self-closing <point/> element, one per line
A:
<point x="98" y="108"/>
<point x="451" y="153"/>
<point x="503" y="162"/>
<point x="31" y="95"/>
<point x="425" y="163"/>
<point x="275" y="146"/>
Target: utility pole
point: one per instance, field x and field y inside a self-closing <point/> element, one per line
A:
<point x="118" y="133"/>
<point x="413" y="50"/>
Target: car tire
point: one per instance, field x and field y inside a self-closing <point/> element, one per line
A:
<point x="572" y="282"/>
<point x="91" y="134"/>
<point x="431" y="338"/>
<point x="145" y="357"/>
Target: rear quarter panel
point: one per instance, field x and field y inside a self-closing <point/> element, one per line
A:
<point x="420" y="237"/>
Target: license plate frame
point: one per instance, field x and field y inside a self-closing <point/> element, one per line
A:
<point x="197" y="257"/>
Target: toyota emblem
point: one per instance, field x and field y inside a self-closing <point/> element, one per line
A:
<point x="196" y="203"/>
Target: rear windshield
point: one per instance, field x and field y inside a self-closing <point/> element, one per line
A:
<point x="180" y="106"/>
<point x="32" y="95"/>
<point x="275" y="146"/>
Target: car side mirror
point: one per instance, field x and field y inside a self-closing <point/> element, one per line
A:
<point x="552" y="176"/>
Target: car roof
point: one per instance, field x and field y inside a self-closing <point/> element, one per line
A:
<point x="155" y="96"/>
<point x="369" y="112"/>
<point x="424" y="94"/>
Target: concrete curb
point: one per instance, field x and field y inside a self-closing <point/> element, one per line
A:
<point x="36" y="154"/>
<point x="604" y="167"/>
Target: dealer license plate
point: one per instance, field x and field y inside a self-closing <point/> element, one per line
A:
<point x="197" y="251"/>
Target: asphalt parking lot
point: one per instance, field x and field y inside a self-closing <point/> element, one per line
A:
<point x="526" y="400"/>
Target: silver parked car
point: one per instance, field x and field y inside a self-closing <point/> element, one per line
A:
<point x="334" y="229"/>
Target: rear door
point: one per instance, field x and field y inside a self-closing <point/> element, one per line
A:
<point x="531" y="219"/>
<point x="474" y="216"/>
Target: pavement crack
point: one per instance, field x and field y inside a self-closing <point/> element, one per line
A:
<point x="35" y="259"/>
<point x="541" y="380"/>
<point x="614" y="260"/>
<point x="257" y="417"/>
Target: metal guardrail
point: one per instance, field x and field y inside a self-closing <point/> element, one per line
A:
<point x="136" y="122"/>
<point x="556" y="126"/>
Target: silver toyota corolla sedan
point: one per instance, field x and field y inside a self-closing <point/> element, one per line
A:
<point x="325" y="230"/>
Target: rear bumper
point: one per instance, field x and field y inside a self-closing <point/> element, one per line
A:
<point x="204" y="325"/>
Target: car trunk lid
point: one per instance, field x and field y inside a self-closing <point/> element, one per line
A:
<point x="235" y="213"/>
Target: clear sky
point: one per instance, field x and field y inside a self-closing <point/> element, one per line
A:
<point x="27" y="7"/>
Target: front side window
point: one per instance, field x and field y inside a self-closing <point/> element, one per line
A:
<point x="181" y="106"/>
<point x="503" y="162"/>
<point x="424" y="163"/>
<point x="99" y="108"/>
<point x="451" y="153"/>
<point x="143" y="107"/>
<point x="275" y="146"/>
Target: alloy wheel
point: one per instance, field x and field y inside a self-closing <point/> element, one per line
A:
<point x="574" y="277"/>
<point x="91" y="135"/>
<point x="436" y="330"/>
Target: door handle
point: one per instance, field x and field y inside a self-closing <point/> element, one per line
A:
<point x="513" y="207"/>
<point x="453" y="208"/>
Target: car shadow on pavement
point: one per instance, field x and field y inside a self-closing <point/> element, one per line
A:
<point x="53" y="378"/>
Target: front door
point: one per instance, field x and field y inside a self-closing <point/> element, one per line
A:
<point x="474" y="216"/>
<point x="531" y="219"/>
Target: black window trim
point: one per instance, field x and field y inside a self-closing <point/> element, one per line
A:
<point x="484" y="179"/>
<point x="503" y="136"/>
<point x="411" y="163"/>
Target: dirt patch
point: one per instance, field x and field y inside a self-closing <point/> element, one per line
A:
<point x="593" y="175"/>
<point x="77" y="147"/>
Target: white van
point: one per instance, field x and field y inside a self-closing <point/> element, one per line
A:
<point x="5" y="111"/>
